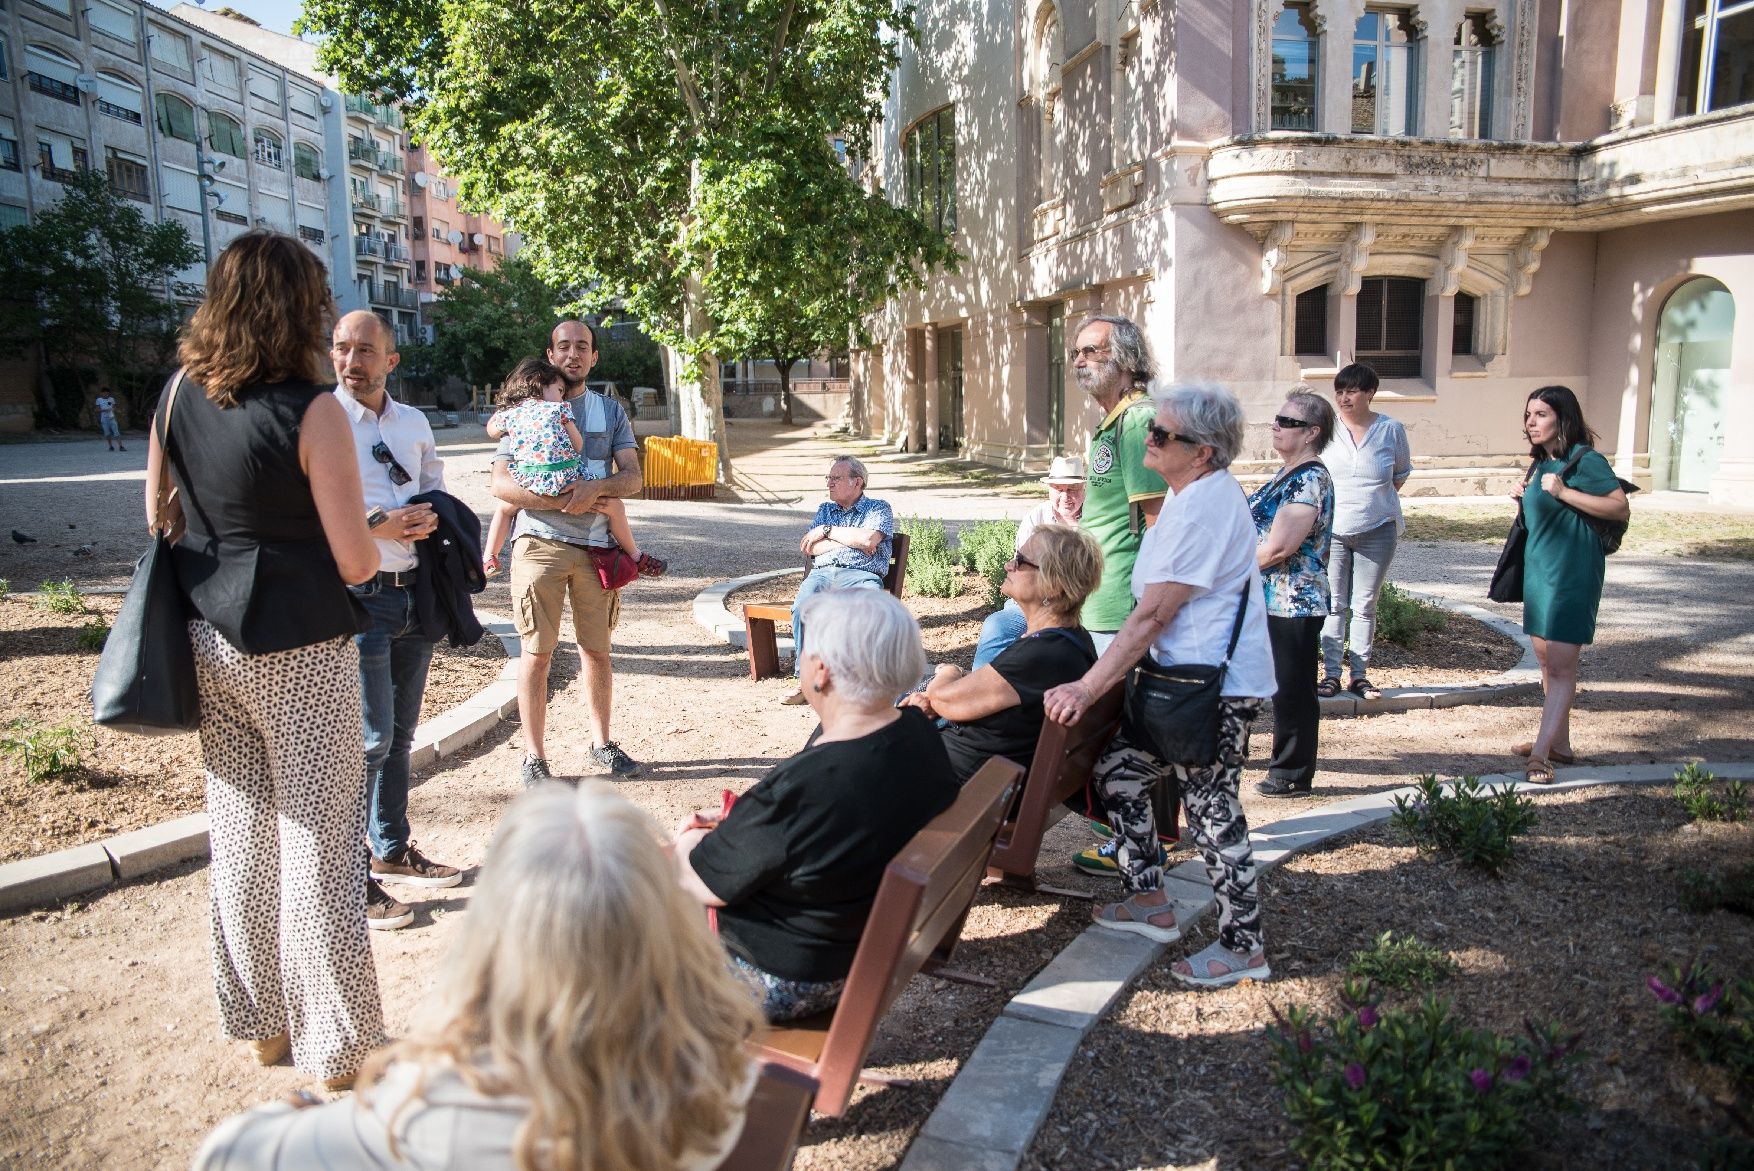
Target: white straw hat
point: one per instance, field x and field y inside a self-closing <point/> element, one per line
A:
<point x="1066" y="469"/>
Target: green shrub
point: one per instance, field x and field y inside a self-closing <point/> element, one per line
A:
<point x="91" y="636"/>
<point x="1375" y="1087"/>
<point x="1697" y="790"/>
<point x="1477" y="823"/>
<point x="62" y="597"/>
<point x="5" y="589"/>
<point x="984" y="548"/>
<point x="1703" y="891"/>
<point x="1714" y="1018"/>
<point x="1403" y="963"/>
<point x="1400" y="617"/>
<point x="43" y="752"/>
<point x="931" y="571"/>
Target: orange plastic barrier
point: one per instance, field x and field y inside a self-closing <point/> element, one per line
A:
<point x="680" y="469"/>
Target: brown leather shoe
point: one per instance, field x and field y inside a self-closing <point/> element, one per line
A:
<point x="271" y="1050"/>
<point x="796" y="699"/>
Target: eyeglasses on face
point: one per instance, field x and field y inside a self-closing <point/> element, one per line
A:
<point x="1085" y="352"/>
<point x="1019" y="561"/>
<point x="1288" y="422"/>
<point x="398" y="474"/>
<point x="1157" y="436"/>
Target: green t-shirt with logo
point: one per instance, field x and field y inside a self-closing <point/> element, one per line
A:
<point x="1119" y="481"/>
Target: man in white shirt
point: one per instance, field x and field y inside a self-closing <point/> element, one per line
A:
<point x="397" y="461"/>
<point x="105" y="405"/>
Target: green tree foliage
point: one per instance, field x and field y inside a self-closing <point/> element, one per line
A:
<point x="485" y="322"/>
<point x="628" y="357"/>
<point x="85" y="288"/>
<point x="675" y="154"/>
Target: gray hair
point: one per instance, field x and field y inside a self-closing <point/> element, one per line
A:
<point x="1126" y="345"/>
<point x="854" y="465"/>
<point x="1205" y="413"/>
<point x="1321" y="413"/>
<point x="869" y="641"/>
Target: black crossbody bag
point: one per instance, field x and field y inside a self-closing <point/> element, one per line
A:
<point x="1173" y="710"/>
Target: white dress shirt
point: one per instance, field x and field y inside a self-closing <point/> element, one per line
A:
<point x="408" y="436"/>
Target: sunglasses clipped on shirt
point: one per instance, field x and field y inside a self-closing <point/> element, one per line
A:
<point x="398" y="474"/>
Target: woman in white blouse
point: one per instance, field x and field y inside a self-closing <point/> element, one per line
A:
<point x="1369" y="460"/>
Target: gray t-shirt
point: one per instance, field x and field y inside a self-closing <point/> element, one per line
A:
<point x="603" y="425"/>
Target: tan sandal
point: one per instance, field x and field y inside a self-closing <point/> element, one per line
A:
<point x="1539" y="771"/>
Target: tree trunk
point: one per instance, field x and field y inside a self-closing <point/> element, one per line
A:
<point x="707" y="392"/>
<point x="784" y="366"/>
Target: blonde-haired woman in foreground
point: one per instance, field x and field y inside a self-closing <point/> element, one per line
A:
<point x="587" y="1019"/>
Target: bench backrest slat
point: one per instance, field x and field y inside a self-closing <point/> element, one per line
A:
<point x="773" y="1121"/>
<point x="1064" y="759"/>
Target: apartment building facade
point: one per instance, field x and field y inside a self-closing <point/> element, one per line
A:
<point x="446" y="239"/>
<point x="1478" y="197"/>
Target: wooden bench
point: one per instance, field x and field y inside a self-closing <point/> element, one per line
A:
<point x="1064" y="758"/>
<point x="758" y="618"/>
<point x="914" y="924"/>
<point x="773" y="1122"/>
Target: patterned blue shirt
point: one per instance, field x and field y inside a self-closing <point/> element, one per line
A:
<point x="863" y="513"/>
<point x="1297" y="587"/>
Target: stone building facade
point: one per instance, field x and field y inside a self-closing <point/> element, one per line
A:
<point x="1478" y="197"/>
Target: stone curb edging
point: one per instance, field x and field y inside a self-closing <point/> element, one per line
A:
<point x="711" y="612"/>
<point x="989" y="1115"/>
<point x="95" y="865"/>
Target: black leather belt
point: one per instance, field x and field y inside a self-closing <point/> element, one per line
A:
<point x="402" y="580"/>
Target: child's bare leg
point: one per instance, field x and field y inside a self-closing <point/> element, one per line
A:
<point x="497" y="531"/>
<point x="615" y="513"/>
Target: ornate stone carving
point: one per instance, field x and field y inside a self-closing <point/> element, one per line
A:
<point x="1527" y="258"/>
<point x="1355" y="258"/>
<point x="1275" y="251"/>
<point x="1453" y="261"/>
<point x="1523" y="71"/>
<point x="1262" y="65"/>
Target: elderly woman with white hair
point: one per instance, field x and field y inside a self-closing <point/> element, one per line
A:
<point x="795" y="865"/>
<point x="1199" y="603"/>
<point x="585" y="1018"/>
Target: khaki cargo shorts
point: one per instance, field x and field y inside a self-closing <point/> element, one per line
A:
<point x="544" y="574"/>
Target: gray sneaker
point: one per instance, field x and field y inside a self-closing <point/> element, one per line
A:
<point x="611" y="758"/>
<point x="382" y="912"/>
<point x="533" y="770"/>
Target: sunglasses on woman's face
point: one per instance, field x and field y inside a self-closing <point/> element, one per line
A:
<point x="1019" y="561"/>
<point x="1289" y="422"/>
<point x="1157" y="436"/>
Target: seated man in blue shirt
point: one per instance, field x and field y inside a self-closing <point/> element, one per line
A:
<point x="848" y="546"/>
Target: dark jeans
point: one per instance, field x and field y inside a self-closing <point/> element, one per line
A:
<point x="393" y="658"/>
<point x="1297" y="713"/>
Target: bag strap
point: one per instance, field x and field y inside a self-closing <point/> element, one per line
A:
<point x="1236" y="627"/>
<point x="1065" y="634"/>
<point x="164" y="492"/>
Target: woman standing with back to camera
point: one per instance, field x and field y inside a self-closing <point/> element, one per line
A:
<point x="263" y="463"/>
<point x="1563" y="562"/>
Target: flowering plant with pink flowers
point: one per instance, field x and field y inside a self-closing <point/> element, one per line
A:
<point x="1378" y="1086"/>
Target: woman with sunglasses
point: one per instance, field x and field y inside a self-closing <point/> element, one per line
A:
<point x="1294" y="513"/>
<point x="1196" y="566"/>
<point x="267" y="479"/>
<point x="1369" y="459"/>
<point x="995" y="710"/>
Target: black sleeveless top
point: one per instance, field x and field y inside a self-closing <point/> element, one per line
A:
<point x="254" y="561"/>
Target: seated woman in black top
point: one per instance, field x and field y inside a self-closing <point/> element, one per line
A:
<point x="996" y="711"/>
<point x="795" y="865"/>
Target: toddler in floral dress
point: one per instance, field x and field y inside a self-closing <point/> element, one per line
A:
<point x="545" y="457"/>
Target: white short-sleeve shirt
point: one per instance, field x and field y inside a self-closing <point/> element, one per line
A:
<point x="1205" y="538"/>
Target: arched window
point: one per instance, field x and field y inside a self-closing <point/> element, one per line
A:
<point x="176" y="118"/>
<point x="52" y="73"/>
<point x="269" y="150"/>
<point x="306" y="162"/>
<point x="118" y="97"/>
<point x="1690" y="385"/>
<point x="1470" y="94"/>
<point x="225" y="135"/>
<point x="1296" y="73"/>
<point x="1048" y="57"/>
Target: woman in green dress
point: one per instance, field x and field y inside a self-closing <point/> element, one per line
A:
<point x="1563" y="561"/>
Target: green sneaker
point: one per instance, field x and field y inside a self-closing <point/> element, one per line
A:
<point x="1101" y="859"/>
<point x="1102" y="830"/>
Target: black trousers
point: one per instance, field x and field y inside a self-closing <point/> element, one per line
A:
<point x="1297" y="714"/>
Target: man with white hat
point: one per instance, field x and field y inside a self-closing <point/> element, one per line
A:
<point x="1065" y="504"/>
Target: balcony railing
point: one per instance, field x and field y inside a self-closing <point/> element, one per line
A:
<point x="392" y="208"/>
<point x="53" y="87"/>
<point x="391" y="295"/>
<point x="395" y="253"/>
<point x="59" y="174"/>
<point x="391" y="161"/>
<point x="365" y="202"/>
<point x="122" y="112"/>
<point x="270" y="155"/>
<point x="387" y="114"/>
<point x="361" y="151"/>
<point x="358" y="105"/>
<point x="368" y="246"/>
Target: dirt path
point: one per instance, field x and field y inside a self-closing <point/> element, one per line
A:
<point x="109" y="1050"/>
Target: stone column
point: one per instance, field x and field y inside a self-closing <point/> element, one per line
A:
<point x="1336" y="18"/>
<point x="1437" y="65"/>
<point x="926" y="430"/>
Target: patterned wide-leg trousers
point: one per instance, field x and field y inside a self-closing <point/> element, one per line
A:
<point x="280" y="736"/>
<point x="1123" y="780"/>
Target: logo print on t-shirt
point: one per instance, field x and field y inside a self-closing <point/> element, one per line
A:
<point x="1102" y="459"/>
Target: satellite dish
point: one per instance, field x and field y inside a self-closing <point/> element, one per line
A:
<point x="455" y="237"/>
<point x="326" y="101"/>
<point x="420" y="179"/>
<point x="87" y="82"/>
<point x="479" y="238"/>
<point x="323" y="174"/>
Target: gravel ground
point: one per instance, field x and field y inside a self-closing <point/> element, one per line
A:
<point x="110" y="1052"/>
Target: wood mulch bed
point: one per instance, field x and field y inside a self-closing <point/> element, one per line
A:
<point x="1587" y="912"/>
<point x="125" y="782"/>
<point x="1465" y="651"/>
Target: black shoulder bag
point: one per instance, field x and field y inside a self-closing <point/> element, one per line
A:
<point x="1507" y="576"/>
<point x="1609" y="532"/>
<point x="145" y="680"/>
<point x="1174" y="710"/>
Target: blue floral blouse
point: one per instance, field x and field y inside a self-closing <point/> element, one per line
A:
<point x="1297" y="587"/>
